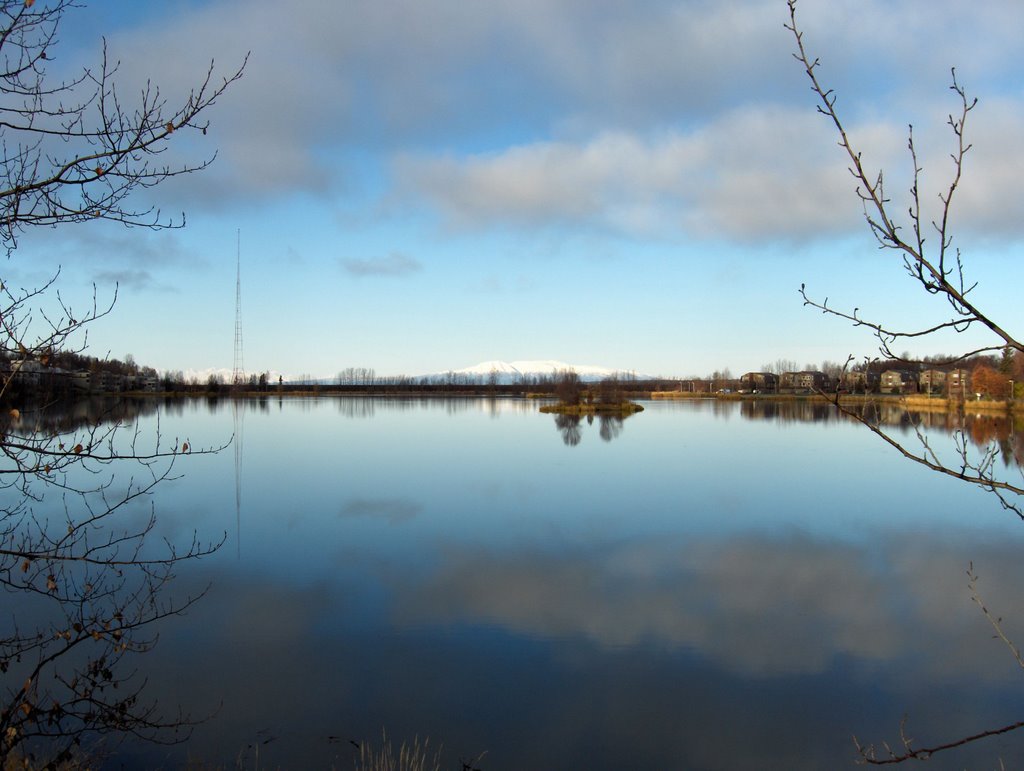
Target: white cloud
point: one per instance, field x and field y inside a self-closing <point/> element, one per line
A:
<point x="993" y="187"/>
<point x="390" y="265"/>
<point x="642" y="117"/>
<point x="399" y="73"/>
<point x="756" y="173"/>
<point x="734" y="177"/>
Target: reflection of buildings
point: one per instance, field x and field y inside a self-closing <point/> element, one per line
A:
<point x="983" y="430"/>
<point x="803" y="411"/>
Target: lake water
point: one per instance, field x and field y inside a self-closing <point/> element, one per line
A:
<point x="705" y="585"/>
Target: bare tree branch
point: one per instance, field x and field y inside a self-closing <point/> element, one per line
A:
<point x="934" y="274"/>
<point x="938" y="270"/>
<point x="83" y="582"/>
<point x="73" y="151"/>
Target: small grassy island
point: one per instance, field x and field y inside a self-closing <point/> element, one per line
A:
<point x="593" y="408"/>
<point x="604" y="398"/>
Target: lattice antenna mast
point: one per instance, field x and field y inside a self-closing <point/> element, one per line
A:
<point x="238" y="370"/>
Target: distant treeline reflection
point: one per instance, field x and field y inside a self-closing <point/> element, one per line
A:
<point x="67" y="415"/>
<point x="981" y="429"/>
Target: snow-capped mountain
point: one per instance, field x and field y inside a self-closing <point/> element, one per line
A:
<point x="510" y="371"/>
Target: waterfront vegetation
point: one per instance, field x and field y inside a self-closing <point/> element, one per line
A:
<point x="985" y="382"/>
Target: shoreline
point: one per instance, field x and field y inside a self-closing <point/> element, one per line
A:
<point x="916" y="402"/>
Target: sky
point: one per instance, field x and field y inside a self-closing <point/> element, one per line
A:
<point x="417" y="186"/>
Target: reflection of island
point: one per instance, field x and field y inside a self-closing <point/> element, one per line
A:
<point x="570" y="426"/>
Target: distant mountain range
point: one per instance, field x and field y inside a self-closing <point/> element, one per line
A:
<point x="511" y="371"/>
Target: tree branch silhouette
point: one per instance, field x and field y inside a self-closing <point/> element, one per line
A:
<point x="84" y="580"/>
<point x="938" y="269"/>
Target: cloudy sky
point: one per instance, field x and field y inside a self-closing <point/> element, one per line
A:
<point x="421" y="185"/>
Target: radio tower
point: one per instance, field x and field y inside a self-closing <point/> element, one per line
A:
<point x="238" y="371"/>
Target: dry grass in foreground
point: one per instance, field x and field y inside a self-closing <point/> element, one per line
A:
<point x="414" y="757"/>
<point x="410" y="757"/>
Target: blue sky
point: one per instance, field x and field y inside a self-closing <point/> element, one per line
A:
<point x="421" y="185"/>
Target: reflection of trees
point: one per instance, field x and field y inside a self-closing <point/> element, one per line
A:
<point x="356" y="408"/>
<point x="611" y="426"/>
<point x="82" y="584"/>
<point x="367" y="406"/>
<point x="569" y="426"/>
<point x="84" y="587"/>
<point x="63" y="417"/>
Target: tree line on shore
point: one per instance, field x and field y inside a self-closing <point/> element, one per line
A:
<point x="51" y="375"/>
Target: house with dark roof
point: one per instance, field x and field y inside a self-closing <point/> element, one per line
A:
<point x="897" y="381"/>
<point x="759" y="383"/>
<point x="807" y="381"/>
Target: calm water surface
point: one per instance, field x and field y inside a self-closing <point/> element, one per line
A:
<point x="703" y="585"/>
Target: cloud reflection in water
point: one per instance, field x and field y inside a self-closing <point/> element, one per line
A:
<point x="764" y="608"/>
